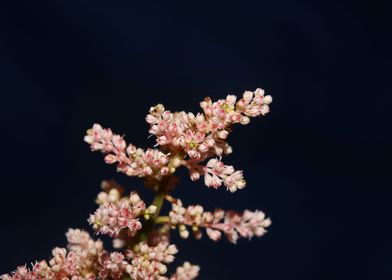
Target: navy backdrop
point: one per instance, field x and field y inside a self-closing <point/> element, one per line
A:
<point x="318" y="164"/>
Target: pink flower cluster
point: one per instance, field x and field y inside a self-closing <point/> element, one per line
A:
<point x="140" y="234"/>
<point x="144" y="262"/>
<point x="86" y="259"/>
<point x="130" y="160"/>
<point x="187" y="139"/>
<point x="231" y="223"/>
<point x="113" y="265"/>
<point x="111" y="217"/>
<point x="217" y="173"/>
<point x="186" y="272"/>
<point x="201" y="136"/>
<point x="79" y="262"/>
<point x="148" y="262"/>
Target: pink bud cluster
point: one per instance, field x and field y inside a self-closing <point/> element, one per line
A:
<point x="86" y="259"/>
<point x="231" y="223"/>
<point x="113" y="266"/>
<point x="148" y="262"/>
<point x="204" y="135"/>
<point x="79" y="262"/>
<point x="217" y="173"/>
<point x="186" y="272"/>
<point x="131" y="160"/>
<point x="189" y="140"/>
<point x="145" y="262"/>
<point x="140" y="234"/>
<point x="111" y="217"/>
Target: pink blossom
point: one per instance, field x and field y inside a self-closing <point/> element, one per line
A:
<point x="195" y="141"/>
<point x="232" y="224"/>
<point x="186" y="272"/>
<point x="110" y="218"/>
<point x="131" y="160"/>
<point x="113" y="266"/>
<point x="217" y="173"/>
<point x="199" y="136"/>
<point x="79" y="262"/>
<point x="147" y="262"/>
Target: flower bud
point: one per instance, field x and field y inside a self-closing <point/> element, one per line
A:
<point x="259" y="92"/>
<point x="152" y="209"/>
<point x="118" y="243"/>
<point x="245" y="120"/>
<point x="231" y="99"/>
<point x="267" y="99"/>
<point x="184" y="233"/>
<point x="248" y="95"/>
<point x="146" y="264"/>
<point x="134" y="198"/>
<point x="164" y="170"/>
<point x="172" y="249"/>
<point x="203" y="148"/>
<point x="223" y="134"/>
<point x="228" y="150"/>
<point x="162" y="269"/>
<point x="264" y="109"/>
<point x="114" y="195"/>
<point x="195" y="175"/>
<point x="151" y="119"/>
<point x="110" y="159"/>
<point x="102" y="197"/>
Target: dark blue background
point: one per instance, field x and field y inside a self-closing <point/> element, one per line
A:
<point x="318" y="164"/>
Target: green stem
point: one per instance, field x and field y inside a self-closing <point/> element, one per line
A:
<point x="162" y="220"/>
<point x="158" y="202"/>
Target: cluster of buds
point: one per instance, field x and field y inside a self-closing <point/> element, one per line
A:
<point x="115" y="214"/>
<point x="85" y="259"/>
<point x="111" y="217"/>
<point x="79" y="262"/>
<point x="185" y="272"/>
<point x="141" y="237"/>
<point x="233" y="224"/>
<point x="202" y="136"/>
<point x="148" y="262"/>
<point x="187" y="139"/>
<point x="131" y="160"/>
<point x="217" y="173"/>
<point x="113" y="266"/>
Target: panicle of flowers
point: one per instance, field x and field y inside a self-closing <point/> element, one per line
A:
<point x="81" y="259"/>
<point x="204" y="135"/>
<point x="79" y="262"/>
<point x="186" y="272"/>
<point x="216" y="173"/>
<point x="111" y="217"/>
<point x="233" y="224"/>
<point x="190" y="140"/>
<point x="131" y="160"/>
<point x="113" y="266"/>
<point x="140" y="234"/>
<point x="148" y="262"/>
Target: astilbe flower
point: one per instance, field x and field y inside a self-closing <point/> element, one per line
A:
<point x="113" y="266"/>
<point x="217" y="173"/>
<point x="140" y="235"/>
<point x="79" y="262"/>
<point x="148" y="262"/>
<point x="111" y="217"/>
<point x="186" y="272"/>
<point x="232" y="223"/>
<point x="188" y="139"/>
<point x="131" y="160"/>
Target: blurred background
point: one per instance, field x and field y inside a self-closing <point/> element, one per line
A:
<point x="318" y="164"/>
